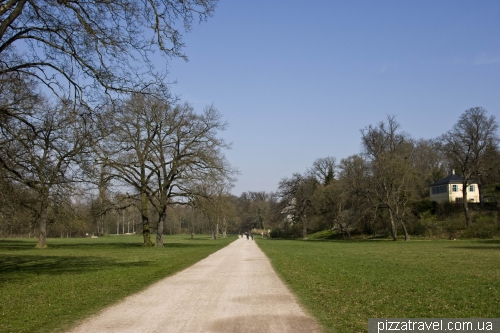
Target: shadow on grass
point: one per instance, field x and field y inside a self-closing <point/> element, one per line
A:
<point x="185" y="245"/>
<point x="483" y="244"/>
<point x="489" y="241"/>
<point x="337" y="241"/>
<point x="30" y="245"/>
<point x="484" y="247"/>
<point x="27" y="245"/>
<point x="15" y="244"/>
<point x="15" y="267"/>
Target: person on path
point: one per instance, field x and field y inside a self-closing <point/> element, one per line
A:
<point x="251" y="235"/>
<point x="246" y="233"/>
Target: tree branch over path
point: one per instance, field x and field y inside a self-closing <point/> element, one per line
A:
<point x="98" y="47"/>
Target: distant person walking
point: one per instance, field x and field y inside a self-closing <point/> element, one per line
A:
<point x="251" y="235"/>
<point x="246" y="234"/>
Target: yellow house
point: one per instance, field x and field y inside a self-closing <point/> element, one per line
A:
<point x="450" y="189"/>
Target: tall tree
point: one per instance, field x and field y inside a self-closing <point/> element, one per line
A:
<point x="389" y="152"/>
<point x="466" y="145"/>
<point x="186" y="151"/>
<point x="128" y="131"/>
<point x="163" y="151"/>
<point x="40" y="151"/>
<point x="356" y="180"/>
<point x="429" y="163"/>
<point x="297" y="193"/>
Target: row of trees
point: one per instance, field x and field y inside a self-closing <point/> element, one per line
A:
<point x="89" y="129"/>
<point x="88" y="126"/>
<point x="142" y="152"/>
<point x="378" y="188"/>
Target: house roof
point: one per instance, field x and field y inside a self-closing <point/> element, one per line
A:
<point x="451" y="179"/>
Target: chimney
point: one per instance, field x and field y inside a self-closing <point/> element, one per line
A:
<point x="452" y="171"/>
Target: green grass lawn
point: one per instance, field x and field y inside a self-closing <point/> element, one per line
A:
<point x="343" y="283"/>
<point x="48" y="290"/>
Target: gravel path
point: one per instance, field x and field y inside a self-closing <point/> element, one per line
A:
<point x="233" y="290"/>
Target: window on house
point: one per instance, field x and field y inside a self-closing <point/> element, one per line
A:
<point x="439" y="189"/>
<point x="471" y="188"/>
<point x="458" y="199"/>
<point x="454" y="188"/>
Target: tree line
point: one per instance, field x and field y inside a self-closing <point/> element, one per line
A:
<point x="384" y="189"/>
<point x="90" y="135"/>
<point x="89" y="129"/>
<point x="141" y="152"/>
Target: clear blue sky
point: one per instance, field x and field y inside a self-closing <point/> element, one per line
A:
<point x="297" y="80"/>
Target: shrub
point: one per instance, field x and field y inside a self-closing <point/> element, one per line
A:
<point x="423" y="206"/>
<point x="275" y="232"/>
<point x="483" y="226"/>
<point x="289" y="232"/>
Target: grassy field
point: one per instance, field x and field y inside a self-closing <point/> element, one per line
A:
<point x="343" y="283"/>
<point x="48" y="290"/>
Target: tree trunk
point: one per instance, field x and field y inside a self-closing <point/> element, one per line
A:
<point x="400" y="218"/>
<point x="480" y="189"/>
<point x="394" y="231"/>
<point x="100" y="225"/>
<point x="212" y="231"/>
<point x="224" y="228"/>
<point x="159" y="234"/>
<point x="407" y="235"/>
<point x="146" y="231"/>
<point x="146" y="228"/>
<point x="42" y="220"/>
<point x="304" y="229"/>
<point x="465" y="205"/>
<point x="344" y="231"/>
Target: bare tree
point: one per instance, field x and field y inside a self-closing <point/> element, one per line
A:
<point x="466" y="145"/>
<point x="229" y="217"/>
<point x="297" y="194"/>
<point x="211" y="199"/>
<point x="186" y="151"/>
<point x="324" y="169"/>
<point x="128" y="131"/>
<point x="15" y="217"/>
<point x="389" y="152"/>
<point x="85" y="48"/>
<point x="254" y="210"/>
<point x="338" y="207"/>
<point x="355" y="177"/>
<point x="428" y="161"/>
<point x="40" y="152"/>
<point x="162" y="151"/>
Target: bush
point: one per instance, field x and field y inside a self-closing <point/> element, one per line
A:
<point x="275" y="232"/>
<point x="483" y="226"/>
<point x="289" y="232"/>
<point x="446" y="209"/>
<point x="423" y="206"/>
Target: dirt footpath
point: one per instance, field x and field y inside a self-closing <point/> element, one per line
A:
<point x="233" y="290"/>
